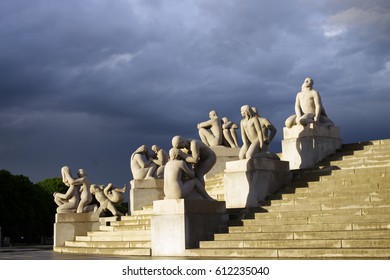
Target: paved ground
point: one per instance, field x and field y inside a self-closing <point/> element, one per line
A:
<point x="46" y="253"/>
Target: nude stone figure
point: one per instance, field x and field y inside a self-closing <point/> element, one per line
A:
<point x="85" y="194"/>
<point x="308" y="107"/>
<point x="78" y="196"/>
<point x="251" y="133"/>
<point x="210" y="131"/>
<point x="268" y="129"/>
<point x="142" y="166"/>
<point x="180" y="180"/>
<point x="198" y="154"/>
<point x="229" y="133"/>
<point x="67" y="202"/>
<point x="160" y="158"/>
<point x="107" y="196"/>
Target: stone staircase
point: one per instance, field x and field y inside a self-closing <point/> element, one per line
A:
<point x="126" y="235"/>
<point x="214" y="186"/>
<point x="337" y="210"/>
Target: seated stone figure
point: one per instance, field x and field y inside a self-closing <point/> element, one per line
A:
<point x="308" y="107"/>
<point x="69" y="201"/>
<point x="160" y="158"/>
<point x="210" y="131"/>
<point x="107" y="196"/>
<point x="180" y="180"/>
<point x="142" y="166"/>
<point x="229" y="133"/>
<point x="197" y="153"/>
<point x="251" y="134"/>
<point x="268" y="129"/>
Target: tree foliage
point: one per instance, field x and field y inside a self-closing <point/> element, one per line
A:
<point x="27" y="210"/>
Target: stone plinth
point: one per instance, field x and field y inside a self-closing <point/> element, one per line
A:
<point x="179" y="224"/>
<point x="68" y="225"/>
<point x="305" y="146"/>
<point x="224" y="154"/>
<point x="249" y="181"/>
<point x="144" y="192"/>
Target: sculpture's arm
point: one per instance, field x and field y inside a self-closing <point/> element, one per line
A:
<point x="298" y="111"/>
<point x="244" y="138"/>
<point x="141" y="163"/>
<point x="227" y="125"/>
<point x="194" y="157"/>
<point x="190" y="173"/>
<point x="272" y="134"/>
<point x="259" y="131"/>
<point x="205" y="124"/>
<point x="318" y="105"/>
<point x="66" y="195"/>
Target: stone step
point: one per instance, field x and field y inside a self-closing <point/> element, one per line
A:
<point x="326" y="176"/>
<point x="332" y="199"/>
<point x="313" y="227"/>
<point x="373" y="193"/>
<point x="116" y="236"/>
<point x="298" y="244"/>
<point x="344" y="234"/>
<point x="109" y="244"/>
<point x="329" y="219"/>
<point x="125" y="228"/>
<point x="131" y="222"/>
<point x="365" y="182"/>
<point x="335" y="212"/>
<point x="326" y="206"/>
<point x="105" y="251"/>
<point x="344" y="253"/>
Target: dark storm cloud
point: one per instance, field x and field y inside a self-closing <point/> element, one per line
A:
<point x="84" y="83"/>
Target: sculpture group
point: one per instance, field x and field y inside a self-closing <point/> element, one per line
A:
<point x="80" y="194"/>
<point x="183" y="169"/>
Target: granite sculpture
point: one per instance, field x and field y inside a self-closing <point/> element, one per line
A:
<point x="107" y="196"/>
<point x="251" y="133"/>
<point x="229" y="133"/>
<point x="308" y="107"/>
<point x="180" y="181"/>
<point x="210" y="131"/>
<point x="160" y="158"/>
<point x="142" y="165"/>
<point x="197" y="153"/>
<point x="78" y="197"/>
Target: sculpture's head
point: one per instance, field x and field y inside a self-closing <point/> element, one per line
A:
<point x="255" y="111"/>
<point x="247" y="112"/>
<point x="308" y="83"/>
<point x="174" y="153"/>
<point x="213" y="114"/>
<point x="177" y="142"/>
<point x="225" y="120"/>
<point x="81" y="173"/>
<point x="155" y="148"/>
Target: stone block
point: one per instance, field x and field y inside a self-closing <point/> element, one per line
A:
<point x="249" y="181"/>
<point x="144" y="191"/>
<point x="179" y="224"/>
<point x="68" y="225"/>
<point x="305" y="146"/>
<point x="224" y="154"/>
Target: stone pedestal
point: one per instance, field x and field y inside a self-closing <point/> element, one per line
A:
<point x="68" y="225"/>
<point x="179" y="224"/>
<point x="144" y="192"/>
<point x="224" y="154"/>
<point x="305" y="146"/>
<point x="249" y="181"/>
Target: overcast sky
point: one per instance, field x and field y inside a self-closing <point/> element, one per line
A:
<point x="84" y="83"/>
